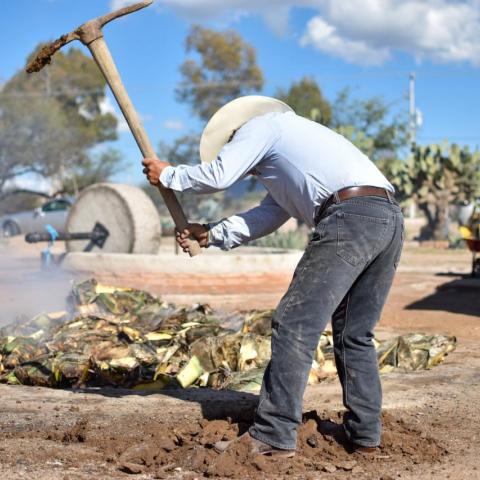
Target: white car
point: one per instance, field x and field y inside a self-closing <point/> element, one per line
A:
<point x="54" y="213"/>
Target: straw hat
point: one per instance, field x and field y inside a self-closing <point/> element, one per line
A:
<point x="230" y="118"/>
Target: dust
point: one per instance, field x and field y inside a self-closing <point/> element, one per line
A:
<point x="187" y="446"/>
<point x="44" y="56"/>
<point x="26" y="290"/>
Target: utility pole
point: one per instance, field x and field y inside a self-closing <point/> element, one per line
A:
<point x="412" y="115"/>
<point x="412" y="110"/>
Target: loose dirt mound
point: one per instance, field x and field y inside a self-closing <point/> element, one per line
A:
<point x="187" y="447"/>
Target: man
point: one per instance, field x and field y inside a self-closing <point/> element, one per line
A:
<point x="313" y="174"/>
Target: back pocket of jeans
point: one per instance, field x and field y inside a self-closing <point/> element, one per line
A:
<point x="359" y="237"/>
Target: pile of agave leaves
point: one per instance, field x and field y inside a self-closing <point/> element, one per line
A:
<point x="129" y="338"/>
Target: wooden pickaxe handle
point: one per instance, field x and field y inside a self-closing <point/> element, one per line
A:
<point x="104" y="60"/>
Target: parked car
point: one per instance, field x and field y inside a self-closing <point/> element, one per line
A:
<point x="54" y="213"/>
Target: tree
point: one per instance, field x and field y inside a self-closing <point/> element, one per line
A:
<point x="370" y="125"/>
<point x="225" y="68"/>
<point x="436" y="176"/>
<point x="306" y="98"/>
<point x="20" y="200"/>
<point x="94" y="169"/>
<point x="50" y="121"/>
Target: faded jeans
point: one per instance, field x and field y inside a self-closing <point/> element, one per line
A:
<point x="344" y="276"/>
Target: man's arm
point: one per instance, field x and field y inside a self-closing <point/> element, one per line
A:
<point x="247" y="148"/>
<point x="241" y="228"/>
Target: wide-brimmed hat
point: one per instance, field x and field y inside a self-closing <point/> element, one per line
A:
<point x="230" y="118"/>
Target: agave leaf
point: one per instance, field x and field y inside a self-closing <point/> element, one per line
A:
<point x="386" y="369"/>
<point x="126" y="363"/>
<point x="259" y="323"/>
<point x="17" y="345"/>
<point x="71" y="368"/>
<point x="100" y="288"/>
<point x="203" y="379"/>
<point x="250" y="381"/>
<point x="189" y="325"/>
<point x="37" y="335"/>
<point x="145" y="353"/>
<point x="215" y="352"/>
<point x="11" y="379"/>
<point x="37" y="372"/>
<point x="190" y="372"/>
<point x="166" y="354"/>
<point x="158" y="336"/>
<point x="440" y="347"/>
<point x="318" y="372"/>
<point x="132" y="334"/>
<point x="387" y="353"/>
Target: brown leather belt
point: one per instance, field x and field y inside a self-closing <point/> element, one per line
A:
<point x="352" y="192"/>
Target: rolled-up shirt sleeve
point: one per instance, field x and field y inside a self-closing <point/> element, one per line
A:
<point x="250" y="144"/>
<point x="243" y="227"/>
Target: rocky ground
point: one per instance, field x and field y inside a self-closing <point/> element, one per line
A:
<point x="431" y="419"/>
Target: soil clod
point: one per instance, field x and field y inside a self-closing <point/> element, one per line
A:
<point x="44" y="56"/>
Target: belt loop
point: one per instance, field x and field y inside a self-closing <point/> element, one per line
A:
<point x="336" y="196"/>
<point x="389" y="195"/>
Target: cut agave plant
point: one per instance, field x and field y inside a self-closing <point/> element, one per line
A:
<point x="129" y="338"/>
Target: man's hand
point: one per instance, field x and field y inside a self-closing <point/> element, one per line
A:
<point x="195" y="230"/>
<point x="153" y="169"/>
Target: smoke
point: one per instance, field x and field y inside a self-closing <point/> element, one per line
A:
<point x="26" y="289"/>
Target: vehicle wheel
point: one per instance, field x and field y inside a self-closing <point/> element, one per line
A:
<point x="10" y="229"/>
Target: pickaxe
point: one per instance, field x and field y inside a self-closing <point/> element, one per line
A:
<point x="90" y="34"/>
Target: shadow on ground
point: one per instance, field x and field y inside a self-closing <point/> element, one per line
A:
<point x="461" y="295"/>
<point x="215" y="404"/>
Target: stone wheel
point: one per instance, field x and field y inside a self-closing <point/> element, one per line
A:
<point x="126" y="211"/>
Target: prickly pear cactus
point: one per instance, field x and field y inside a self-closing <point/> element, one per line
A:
<point x="436" y="176"/>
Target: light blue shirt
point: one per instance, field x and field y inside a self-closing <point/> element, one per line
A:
<point x="300" y="163"/>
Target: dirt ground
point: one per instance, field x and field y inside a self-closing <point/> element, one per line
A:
<point x="431" y="419"/>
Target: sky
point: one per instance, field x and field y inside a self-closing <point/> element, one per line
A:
<point x="370" y="46"/>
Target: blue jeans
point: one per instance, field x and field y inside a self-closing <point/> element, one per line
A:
<point x="344" y="275"/>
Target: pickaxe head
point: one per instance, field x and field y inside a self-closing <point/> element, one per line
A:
<point x="86" y="33"/>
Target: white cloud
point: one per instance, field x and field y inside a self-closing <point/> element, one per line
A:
<point x="369" y="31"/>
<point x="173" y="124"/>
<point x="365" y="32"/>
<point x="325" y="37"/>
<point x="274" y="12"/>
<point x="107" y="106"/>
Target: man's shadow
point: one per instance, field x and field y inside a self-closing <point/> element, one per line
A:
<point x="461" y="295"/>
<point x="237" y="406"/>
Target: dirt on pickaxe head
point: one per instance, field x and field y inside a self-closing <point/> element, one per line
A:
<point x="85" y="33"/>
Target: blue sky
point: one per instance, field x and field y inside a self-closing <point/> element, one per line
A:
<point x="370" y="46"/>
